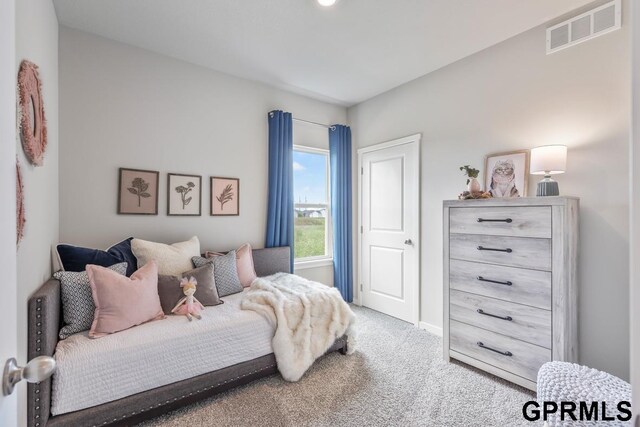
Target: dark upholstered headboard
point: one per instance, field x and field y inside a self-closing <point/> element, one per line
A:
<point x="44" y="325"/>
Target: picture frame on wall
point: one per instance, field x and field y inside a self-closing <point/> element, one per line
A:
<point x="225" y="196"/>
<point x="184" y="195"/>
<point x="137" y="191"/>
<point x="507" y="174"/>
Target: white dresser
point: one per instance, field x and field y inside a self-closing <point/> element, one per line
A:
<point x="510" y="285"/>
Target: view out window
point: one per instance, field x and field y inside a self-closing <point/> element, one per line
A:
<point x="312" y="220"/>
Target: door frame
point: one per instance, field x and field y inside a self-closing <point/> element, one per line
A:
<point x="9" y="406"/>
<point x="634" y="283"/>
<point x="358" y="286"/>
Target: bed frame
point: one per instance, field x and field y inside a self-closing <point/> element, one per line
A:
<point x="44" y="324"/>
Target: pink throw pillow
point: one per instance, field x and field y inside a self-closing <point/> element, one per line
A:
<point x="244" y="263"/>
<point x="123" y="302"/>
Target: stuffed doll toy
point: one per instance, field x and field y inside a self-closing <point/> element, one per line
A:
<point x="188" y="305"/>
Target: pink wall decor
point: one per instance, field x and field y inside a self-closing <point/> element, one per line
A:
<point x="33" y="125"/>
<point x="20" y="213"/>
<point x="225" y="196"/>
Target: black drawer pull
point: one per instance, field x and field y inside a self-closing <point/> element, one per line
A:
<point x="482" y="248"/>
<point x="481" y="311"/>
<point x="504" y="353"/>
<point x="482" y="279"/>
<point x="507" y="220"/>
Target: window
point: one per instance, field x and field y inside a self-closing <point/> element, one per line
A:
<point x="312" y="219"/>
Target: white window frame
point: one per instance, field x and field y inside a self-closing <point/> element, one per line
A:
<point x="327" y="259"/>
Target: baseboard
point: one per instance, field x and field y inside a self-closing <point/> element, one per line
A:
<point x="436" y="330"/>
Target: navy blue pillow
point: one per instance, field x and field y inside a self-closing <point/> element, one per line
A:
<point x="76" y="258"/>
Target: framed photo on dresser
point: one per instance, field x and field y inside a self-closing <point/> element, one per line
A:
<point x="507" y="174"/>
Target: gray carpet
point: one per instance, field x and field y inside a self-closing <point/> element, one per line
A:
<point x="397" y="377"/>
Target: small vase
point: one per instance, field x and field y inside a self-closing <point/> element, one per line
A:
<point x="474" y="186"/>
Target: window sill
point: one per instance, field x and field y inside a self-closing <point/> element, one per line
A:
<point x="312" y="263"/>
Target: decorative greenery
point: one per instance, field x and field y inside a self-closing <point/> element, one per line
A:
<point x="139" y="188"/>
<point x="470" y="172"/>
<point x="183" y="193"/>
<point x="225" y="196"/>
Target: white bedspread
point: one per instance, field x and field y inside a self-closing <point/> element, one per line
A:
<point x="91" y="372"/>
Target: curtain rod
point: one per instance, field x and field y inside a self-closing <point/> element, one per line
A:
<point x="309" y="122"/>
<point x="315" y="123"/>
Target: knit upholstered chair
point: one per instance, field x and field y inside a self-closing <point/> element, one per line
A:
<point x="569" y="382"/>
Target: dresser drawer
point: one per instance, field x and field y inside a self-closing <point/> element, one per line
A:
<point x="529" y="324"/>
<point x="502" y="221"/>
<point x="510" y="251"/>
<point x="519" y="285"/>
<point x="518" y="357"/>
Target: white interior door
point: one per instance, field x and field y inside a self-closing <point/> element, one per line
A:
<point x="390" y="227"/>
<point x="8" y="343"/>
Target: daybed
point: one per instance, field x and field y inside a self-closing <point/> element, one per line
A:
<point x="153" y="368"/>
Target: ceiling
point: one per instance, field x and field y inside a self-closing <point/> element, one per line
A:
<point x="344" y="54"/>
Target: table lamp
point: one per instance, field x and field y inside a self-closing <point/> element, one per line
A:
<point x="548" y="160"/>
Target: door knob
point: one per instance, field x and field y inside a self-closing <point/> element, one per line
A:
<point x="408" y="242"/>
<point x="38" y="369"/>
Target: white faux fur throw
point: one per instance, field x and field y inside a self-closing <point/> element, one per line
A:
<point x="308" y="318"/>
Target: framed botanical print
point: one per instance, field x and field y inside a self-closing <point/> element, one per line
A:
<point x="507" y="174"/>
<point x="184" y="195"/>
<point x="225" y="196"/>
<point x="138" y="192"/>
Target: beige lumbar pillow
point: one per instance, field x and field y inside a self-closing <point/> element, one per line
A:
<point x="172" y="260"/>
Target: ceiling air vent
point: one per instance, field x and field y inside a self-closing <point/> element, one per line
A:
<point x="596" y="22"/>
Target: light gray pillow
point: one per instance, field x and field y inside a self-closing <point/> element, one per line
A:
<point x="225" y="272"/>
<point x="172" y="260"/>
<point x="78" y="308"/>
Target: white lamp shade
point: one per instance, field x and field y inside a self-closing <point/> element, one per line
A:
<point x="548" y="160"/>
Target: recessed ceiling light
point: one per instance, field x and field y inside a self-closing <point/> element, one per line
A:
<point x="327" y="3"/>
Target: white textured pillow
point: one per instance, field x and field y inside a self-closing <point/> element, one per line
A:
<point x="172" y="260"/>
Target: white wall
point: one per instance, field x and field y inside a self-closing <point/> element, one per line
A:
<point x="8" y="334"/>
<point x="514" y="96"/>
<point x="37" y="41"/>
<point x="126" y="107"/>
